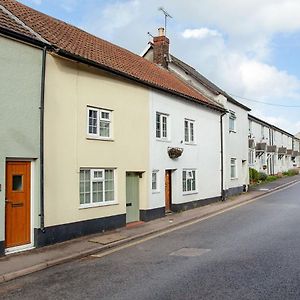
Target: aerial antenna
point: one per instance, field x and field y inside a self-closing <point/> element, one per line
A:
<point x="167" y="15"/>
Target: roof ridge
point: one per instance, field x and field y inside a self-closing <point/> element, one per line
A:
<point x="16" y="19"/>
<point x="81" y="45"/>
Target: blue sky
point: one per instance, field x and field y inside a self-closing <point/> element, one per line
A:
<point x="250" y="48"/>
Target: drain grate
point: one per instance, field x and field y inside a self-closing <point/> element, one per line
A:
<point x="190" y="252"/>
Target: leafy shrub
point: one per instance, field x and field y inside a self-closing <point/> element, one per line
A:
<point x="253" y="175"/>
<point x="272" y="178"/>
<point x="262" y="176"/>
<point x="291" y="172"/>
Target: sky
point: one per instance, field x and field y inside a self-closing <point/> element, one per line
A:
<point x="249" y="48"/>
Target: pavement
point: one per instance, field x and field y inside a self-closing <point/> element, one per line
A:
<point x="20" y="264"/>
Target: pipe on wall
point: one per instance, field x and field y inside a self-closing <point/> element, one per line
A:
<point x="42" y="105"/>
<point x="223" y="196"/>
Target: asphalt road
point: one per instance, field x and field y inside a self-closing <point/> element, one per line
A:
<point x="251" y="252"/>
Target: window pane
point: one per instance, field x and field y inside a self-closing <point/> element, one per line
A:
<point x="17" y="183"/>
<point x="104" y="128"/>
<point x="191" y="132"/>
<point x="93" y="121"/>
<point x="109" y="195"/>
<point x="158" y="135"/>
<point x="164" y="126"/>
<point x="105" y="115"/>
<point x="154" y="180"/>
<point x="109" y="174"/>
<point x="186" y="131"/>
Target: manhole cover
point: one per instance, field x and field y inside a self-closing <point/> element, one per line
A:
<point x="189" y="252"/>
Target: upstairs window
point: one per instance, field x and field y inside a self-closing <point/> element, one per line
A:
<point x="162" y="126"/>
<point x="232" y="121"/>
<point x="99" y="123"/>
<point x="189" y="131"/>
<point x="188" y="181"/>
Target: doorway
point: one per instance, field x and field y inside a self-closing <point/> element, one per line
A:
<point x="17" y="204"/>
<point x="168" y="190"/>
<point x="132" y="197"/>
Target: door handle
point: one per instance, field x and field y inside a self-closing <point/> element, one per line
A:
<point x="8" y="201"/>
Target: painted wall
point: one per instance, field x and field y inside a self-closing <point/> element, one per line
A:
<point x="263" y="133"/>
<point x="204" y="155"/>
<point x="235" y="143"/>
<point x="70" y="88"/>
<point x="20" y="86"/>
<point x="236" y="146"/>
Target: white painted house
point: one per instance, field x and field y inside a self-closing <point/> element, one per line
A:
<point x="180" y="128"/>
<point x="234" y="142"/>
<point x="271" y="149"/>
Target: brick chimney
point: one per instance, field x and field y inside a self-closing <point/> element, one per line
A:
<point x="161" y="49"/>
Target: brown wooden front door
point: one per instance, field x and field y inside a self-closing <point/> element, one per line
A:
<point x="168" y="190"/>
<point x="17" y="204"/>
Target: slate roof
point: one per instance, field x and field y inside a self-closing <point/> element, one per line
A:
<point x="80" y="44"/>
<point x="210" y="85"/>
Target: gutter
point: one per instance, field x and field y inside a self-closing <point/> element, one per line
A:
<point x="223" y="196"/>
<point x="42" y="107"/>
<point x="71" y="56"/>
<point x="21" y="37"/>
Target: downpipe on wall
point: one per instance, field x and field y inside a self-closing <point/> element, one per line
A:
<point x="223" y="195"/>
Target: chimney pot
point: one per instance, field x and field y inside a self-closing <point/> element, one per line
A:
<point x="161" y="31"/>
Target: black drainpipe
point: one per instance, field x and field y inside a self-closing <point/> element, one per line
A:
<point x="223" y="196"/>
<point x="42" y="217"/>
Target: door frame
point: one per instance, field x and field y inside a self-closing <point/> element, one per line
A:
<point x="139" y="174"/>
<point x="170" y="171"/>
<point x="32" y="190"/>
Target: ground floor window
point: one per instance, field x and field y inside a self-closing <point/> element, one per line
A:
<point x="189" y="181"/>
<point x="251" y="157"/>
<point x="155" y="184"/>
<point x="233" y="168"/>
<point x="96" y="186"/>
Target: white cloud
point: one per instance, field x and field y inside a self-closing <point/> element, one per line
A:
<point x="200" y="33"/>
<point x="238" y="56"/>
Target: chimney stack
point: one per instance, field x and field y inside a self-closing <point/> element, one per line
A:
<point x="161" y="48"/>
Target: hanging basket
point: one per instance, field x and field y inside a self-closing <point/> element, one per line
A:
<point x="175" y="152"/>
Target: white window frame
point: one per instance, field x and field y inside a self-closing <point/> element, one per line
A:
<point x="235" y="168"/>
<point x="164" y="135"/>
<point x="251" y="157"/>
<point x="96" y="179"/>
<point x="157" y="189"/>
<point x="100" y="119"/>
<point x="190" y="137"/>
<point x="189" y="176"/>
<point x="232" y="118"/>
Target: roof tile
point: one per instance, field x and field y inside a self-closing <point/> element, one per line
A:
<point x="80" y="43"/>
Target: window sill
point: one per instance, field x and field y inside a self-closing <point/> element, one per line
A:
<point x="235" y="178"/>
<point x="84" y="206"/>
<point x="189" y="193"/>
<point x="190" y="144"/>
<point x="99" y="138"/>
<point x="155" y="192"/>
<point x="163" y="140"/>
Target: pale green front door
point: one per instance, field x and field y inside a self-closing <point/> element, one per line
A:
<point x="132" y="197"/>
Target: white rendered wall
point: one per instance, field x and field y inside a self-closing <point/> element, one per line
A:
<point x="204" y="155"/>
<point x="236" y="146"/>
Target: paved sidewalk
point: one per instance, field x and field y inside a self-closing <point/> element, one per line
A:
<point x="16" y="265"/>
